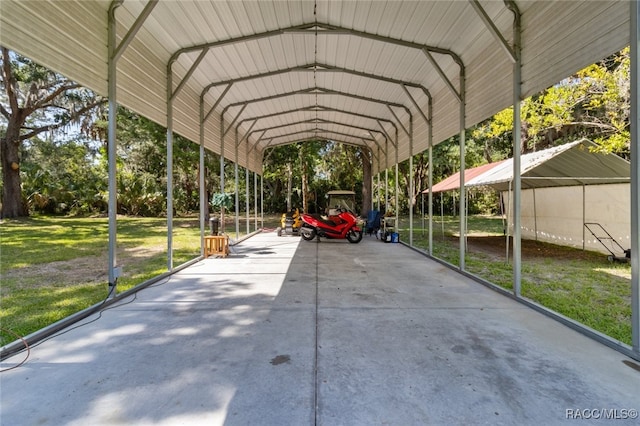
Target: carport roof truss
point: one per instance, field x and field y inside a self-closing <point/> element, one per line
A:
<point x="448" y="64"/>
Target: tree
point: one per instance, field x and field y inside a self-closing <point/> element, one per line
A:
<point x="309" y="159"/>
<point x="62" y="177"/>
<point x="280" y="173"/>
<point x="34" y="100"/>
<point x="142" y="168"/>
<point x="367" y="196"/>
<point x="594" y="103"/>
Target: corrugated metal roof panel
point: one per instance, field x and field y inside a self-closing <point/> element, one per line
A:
<point x="453" y="182"/>
<point x="71" y="36"/>
<point x="565" y="165"/>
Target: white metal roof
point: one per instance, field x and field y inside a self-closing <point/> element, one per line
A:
<point x="335" y="69"/>
<point x="565" y="165"/>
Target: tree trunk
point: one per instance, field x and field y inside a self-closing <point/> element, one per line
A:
<point x="12" y="205"/>
<point x="366" y="182"/>
<point x="305" y="188"/>
<point x="289" y="185"/>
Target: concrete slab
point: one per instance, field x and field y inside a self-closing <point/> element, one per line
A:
<point x="288" y="332"/>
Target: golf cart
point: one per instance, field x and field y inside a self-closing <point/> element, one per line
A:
<point x="340" y="199"/>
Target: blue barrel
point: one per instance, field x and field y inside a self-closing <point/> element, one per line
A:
<point x="395" y="237"/>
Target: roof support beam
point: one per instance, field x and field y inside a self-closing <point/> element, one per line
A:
<point x="495" y="32"/>
<point x="313" y="121"/>
<point x="316" y="108"/>
<point x="215" y="105"/>
<point x="312" y="28"/>
<point x="124" y="43"/>
<point x="317" y="91"/>
<point x="370" y="131"/>
<point x="385" y="132"/>
<point x="257" y="141"/>
<point x="314" y="132"/>
<point x="318" y="68"/>
<point x="189" y="73"/>
<point x="313" y="67"/>
<point x="321" y="109"/>
<point x="427" y="50"/>
<point x="442" y="75"/>
<point x="312" y="90"/>
<point x="317" y="121"/>
<point x="415" y="104"/>
<point x="327" y="29"/>
<point x="248" y="131"/>
<point x="234" y="120"/>
<point x="398" y="119"/>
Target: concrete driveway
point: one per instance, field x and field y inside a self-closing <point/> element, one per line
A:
<point x="289" y="332"/>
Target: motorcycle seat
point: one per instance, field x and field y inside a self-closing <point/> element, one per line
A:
<point x="321" y="219"/>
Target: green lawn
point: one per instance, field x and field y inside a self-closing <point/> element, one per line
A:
<point x="52" y="267"/>
<point x="579" y="284"/>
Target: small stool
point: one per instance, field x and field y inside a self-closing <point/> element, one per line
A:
<point x="216" y="245"/>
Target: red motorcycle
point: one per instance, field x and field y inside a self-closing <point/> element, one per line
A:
<point x="342" y="225"/>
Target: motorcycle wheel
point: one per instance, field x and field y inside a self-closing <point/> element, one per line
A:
<point x="307" y="234"/>
<point x="354" y="236"/>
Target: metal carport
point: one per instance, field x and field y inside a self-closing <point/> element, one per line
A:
<point x="431" y="68"/>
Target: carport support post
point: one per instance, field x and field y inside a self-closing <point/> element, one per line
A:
<point x="222" y="171"/>
<point x="247" y="200"/>
<point x="386" y="178"/>
<point x="169" y="169"/>
<point x="112" y="152"/>
<point x="463" y="195"/>
<point x="430" y="182"/>
<point x="411" y="182"/>
<point x="397" y="209"/>
<point x="378" y="176"/>
<point x="517" y="181"/>
<point x="635" y="178"/>
<point x="203" y="196"/>
<point x="237" y="191"/>
<point x="114" y="51"/>
<point x="255" y="199"/>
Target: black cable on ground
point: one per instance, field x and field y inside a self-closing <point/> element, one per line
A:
<point x="26" y="345"/>
<point x="67" y="330"/>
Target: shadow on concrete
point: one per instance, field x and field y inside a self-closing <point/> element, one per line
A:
<point x="289" y="332"/>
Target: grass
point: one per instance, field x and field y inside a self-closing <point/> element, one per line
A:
<point x="581" y="285"/>
<point x="52" y="267"/>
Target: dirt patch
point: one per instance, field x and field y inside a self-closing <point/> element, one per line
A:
<point x="495" y="248"/>
<point x="82" y="270"/>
